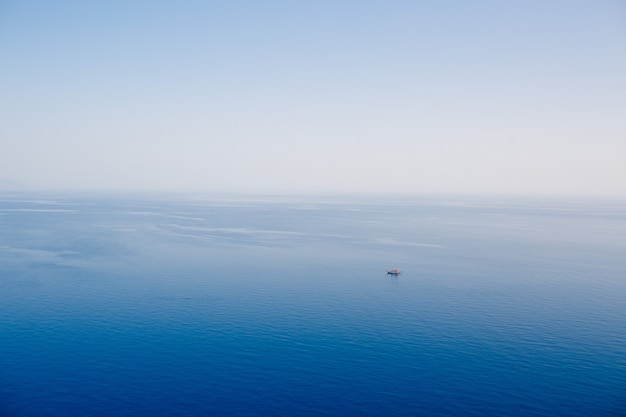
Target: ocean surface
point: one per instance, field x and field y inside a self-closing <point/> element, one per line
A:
<point x="191" y="305"/>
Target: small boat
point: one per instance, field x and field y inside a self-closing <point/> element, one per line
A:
<point x="394" y="271"/>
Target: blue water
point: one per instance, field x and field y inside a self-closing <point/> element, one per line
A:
<point x="266" y="306"/>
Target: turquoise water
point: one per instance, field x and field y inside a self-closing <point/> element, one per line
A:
<point x="268" y="306"/>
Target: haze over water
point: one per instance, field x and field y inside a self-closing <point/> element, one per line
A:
<point x="201" y="305"/>
<point x="517" y="97"/>
<point x="169" y="245"/>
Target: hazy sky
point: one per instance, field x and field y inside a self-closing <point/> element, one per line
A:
<point x="315" y="96"/>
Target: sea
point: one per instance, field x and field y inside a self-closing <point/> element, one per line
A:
<point x="220" y="305"/>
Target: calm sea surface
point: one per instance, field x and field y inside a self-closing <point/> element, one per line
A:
<point x="217" y="306"/>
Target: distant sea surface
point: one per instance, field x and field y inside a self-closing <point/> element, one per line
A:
<point x="267" y="306"/>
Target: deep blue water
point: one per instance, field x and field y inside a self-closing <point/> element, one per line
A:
<point x="215" y="306"/>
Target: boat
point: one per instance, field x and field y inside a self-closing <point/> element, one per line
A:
<point x="394" y="271"/>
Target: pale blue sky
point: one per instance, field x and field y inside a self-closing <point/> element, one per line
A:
<point x="320" y="96"/>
